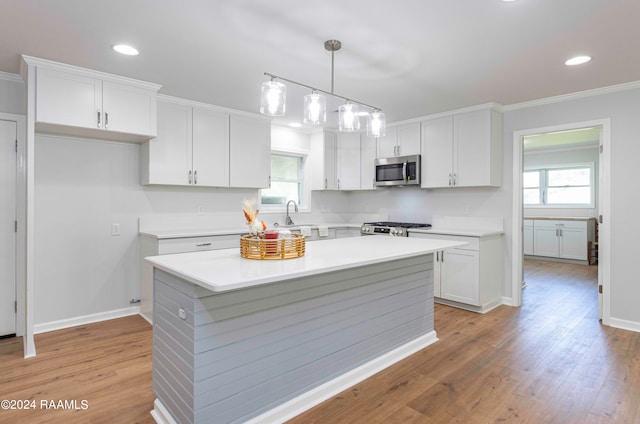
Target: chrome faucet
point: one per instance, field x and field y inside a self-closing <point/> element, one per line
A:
<point x="288" y="220"/>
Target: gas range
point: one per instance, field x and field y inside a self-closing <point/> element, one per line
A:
<point x="398" y="229"/>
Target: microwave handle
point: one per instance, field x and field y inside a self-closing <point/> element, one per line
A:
<point x="404" y="171"/>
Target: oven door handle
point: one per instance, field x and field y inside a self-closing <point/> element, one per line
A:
<point x="404" y="171"/>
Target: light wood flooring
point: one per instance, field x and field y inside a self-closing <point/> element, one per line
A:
<point x="547" y="362"/>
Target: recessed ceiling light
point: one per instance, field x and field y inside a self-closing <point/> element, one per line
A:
<point x="578" y="60"/>
<point x="125" y="49"/>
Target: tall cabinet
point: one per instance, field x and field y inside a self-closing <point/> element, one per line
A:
<point x="462" y="150"/>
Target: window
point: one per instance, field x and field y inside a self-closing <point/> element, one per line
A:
<point x="568" y="186"/>
<point x="287" y="181"/>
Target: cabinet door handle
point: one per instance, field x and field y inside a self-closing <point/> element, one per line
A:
<point x="203" y="244"/>
<point x="106" y="120"/>
<point x="338" y="183"/>
<point x="190" y="177"/>
<point x="99" y="123"/>
<point x="442" y="256"/>
<point x="449" y="180"/>
<point x="326" y="184"/>
<point x="454" y="178"/>
<point x="195" y="177"/>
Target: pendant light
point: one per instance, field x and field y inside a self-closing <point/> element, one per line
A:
<point x="315" y="108"/>
<point x="348" y="117"/>
<point x="273" y="98"/>
<point x="376" y="124"/>
<point x="272" y="102"/>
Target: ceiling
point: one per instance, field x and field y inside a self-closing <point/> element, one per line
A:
<point x="410" y="57"/>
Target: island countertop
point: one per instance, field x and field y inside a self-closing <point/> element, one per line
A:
<point x="224" y="270"/>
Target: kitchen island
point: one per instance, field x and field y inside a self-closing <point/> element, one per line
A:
<point x="239" y="340"/>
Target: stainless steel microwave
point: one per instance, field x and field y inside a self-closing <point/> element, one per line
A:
<point x="398" y="171"/>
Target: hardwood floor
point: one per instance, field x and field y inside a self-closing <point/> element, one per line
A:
<point x="107" y="364"/>
<point x="547" y="362"/>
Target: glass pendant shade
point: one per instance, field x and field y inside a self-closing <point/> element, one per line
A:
<point x="273" y="98"/>
<point x="376" y="125"/>
<point x="315" y="109"/>
<point x="348" y="119"/>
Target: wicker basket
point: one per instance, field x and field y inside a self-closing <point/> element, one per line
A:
<point x="253" y="247"/>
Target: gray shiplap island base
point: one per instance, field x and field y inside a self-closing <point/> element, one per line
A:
<point x="238" y="340"/>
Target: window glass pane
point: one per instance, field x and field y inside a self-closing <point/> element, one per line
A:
<point x="280" y="193"/>
<point x="531" y="179"/>
<point x="568" y="195"/>
<point x="569" y="177"/>
<point x="285" y="167"/>
<point x="531" y="196"/>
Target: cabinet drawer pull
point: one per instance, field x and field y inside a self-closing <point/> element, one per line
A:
<point x="204" y="244"/>
<point x="449" y="180"/>
<point x="106" y="120"/>
<point x="190" y="179"/>
<point x="195" y="177"/>
<point x="99" y="123"/>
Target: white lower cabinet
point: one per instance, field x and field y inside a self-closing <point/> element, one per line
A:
<point x="562" y="239"/>
<point x="527" y="230"/>
<point x="469" y="277"/>
<point x="152" y="246"/>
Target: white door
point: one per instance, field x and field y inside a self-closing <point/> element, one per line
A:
<point x="409" y="139"/>
<point x="8" y="134"/>
<point x="210" y="148"/>
<point x="128" y="109"/>
<point x="437" y="150"/>
<point x="573" y="244"/>
<point x="249" y="152"/>
<point x="460" y="273"/>
<point x="348" y="161"/>
<point x="545" y="241"/>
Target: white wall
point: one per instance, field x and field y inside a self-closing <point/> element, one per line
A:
<point x="12" y="94"/>
<point x="82" y="187"/>
<point x="623" y="109"/>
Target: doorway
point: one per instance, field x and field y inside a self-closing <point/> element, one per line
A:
<point x="560" y="191"/>
<point x="600" y="206"/>
<point x="8" y="227"/>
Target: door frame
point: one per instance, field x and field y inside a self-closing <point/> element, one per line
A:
<point x="21" y="202"/>
<point x="604" y="203"/>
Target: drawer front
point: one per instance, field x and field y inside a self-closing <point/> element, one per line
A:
<point x="558" y="223"/>
<point x="473" y="242"/>
<point x="194" y="244"/>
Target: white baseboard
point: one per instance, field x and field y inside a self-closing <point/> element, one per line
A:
<point x="160" y="414"/>
<point x="308" y="400"/>
<point x="624" y="324"/>
<point x="86" y="319"/>
<point x="507" y="301"/>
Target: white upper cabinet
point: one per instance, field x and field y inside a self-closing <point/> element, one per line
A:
<point x="80" y="102"/>
<point x="323" y="152"/>
<point x="167" y="158"/>
<point x="462" y="150"/>
<point x="192" y="147"/>
<point x="348" y="161"/>
<point x="206" y="147"/>
<point x="249" y="152"/>
<point x="210" y="148"/>
<point x="401" y="140"/>
<point x="367" y="160"/>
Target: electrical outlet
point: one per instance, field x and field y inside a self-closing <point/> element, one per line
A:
<point x="182" y="313"/>
<point x="115" y="229"/>
<point x="201" y="209"/>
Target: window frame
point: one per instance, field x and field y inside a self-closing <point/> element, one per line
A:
<point x="544" y="186"/>
<point x="303" y="180"/>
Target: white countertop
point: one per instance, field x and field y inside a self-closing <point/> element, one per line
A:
<point x="207" y="232"/>
<point x="224" y="270"/>
<point x="467" y="232"/>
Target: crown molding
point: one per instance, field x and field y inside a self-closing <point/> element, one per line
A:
<point x="573" y="96"/>
<point x="6" y="76"/>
